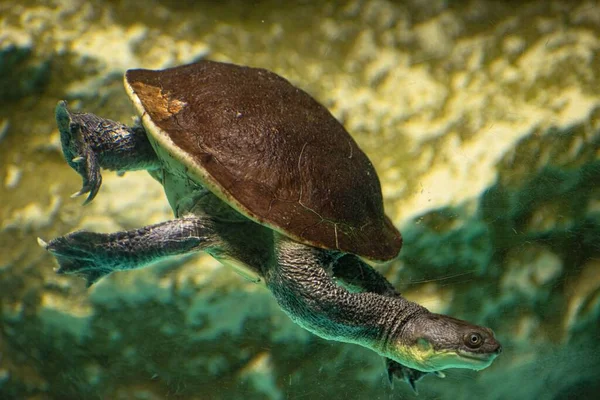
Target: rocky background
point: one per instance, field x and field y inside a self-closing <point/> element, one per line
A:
<point x="482" y="118"/>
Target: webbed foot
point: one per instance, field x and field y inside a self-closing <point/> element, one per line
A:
<point x="78" y="152"/>
<point x="79" y="253"/>
<point x="406" y="374"/>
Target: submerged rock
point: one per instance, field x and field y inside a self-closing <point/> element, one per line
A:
<point x="482" y="119"/>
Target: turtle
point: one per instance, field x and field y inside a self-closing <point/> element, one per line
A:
<point x="265" y="179"/>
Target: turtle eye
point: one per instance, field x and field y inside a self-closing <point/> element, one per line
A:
<point x="473" y="340"/>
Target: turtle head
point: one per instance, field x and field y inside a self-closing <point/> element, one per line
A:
<point x="431" y="342"/>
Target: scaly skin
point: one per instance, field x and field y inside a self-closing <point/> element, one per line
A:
<point x="414" y="341"/>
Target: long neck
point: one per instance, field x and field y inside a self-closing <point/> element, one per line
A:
<point x="313" y="300"/>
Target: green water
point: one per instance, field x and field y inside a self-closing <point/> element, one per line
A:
<point x="481" y="118"/>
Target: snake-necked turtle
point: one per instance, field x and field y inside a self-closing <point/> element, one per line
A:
<point x="262" y="177"/>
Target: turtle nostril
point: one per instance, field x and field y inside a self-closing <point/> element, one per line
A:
<point x="498" y="349"/>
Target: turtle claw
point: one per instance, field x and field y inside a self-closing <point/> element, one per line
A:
<point x="406" y="374"/>
<point x="43" y="244"/>
<point x="92" y="190"/>
<point x="88" y="168"/>
<point x="89" y="187"/>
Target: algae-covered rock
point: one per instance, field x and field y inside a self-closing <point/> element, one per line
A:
<point x="18" y="60"/>
<point x="482" y="119"/>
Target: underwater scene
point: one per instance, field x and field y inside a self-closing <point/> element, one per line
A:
<point x="269" y="223"/>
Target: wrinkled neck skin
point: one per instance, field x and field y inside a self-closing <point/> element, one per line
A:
<point x="314" y="301"/>
<point x="391" y="326"/>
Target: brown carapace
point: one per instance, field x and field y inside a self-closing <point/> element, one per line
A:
<point x="271" y="151"/>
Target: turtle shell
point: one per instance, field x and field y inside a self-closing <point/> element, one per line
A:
<point x="269" y="150"/>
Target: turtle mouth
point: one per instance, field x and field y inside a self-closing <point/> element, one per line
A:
<point x="475" y="356"/>
<point x="480" y="360"/>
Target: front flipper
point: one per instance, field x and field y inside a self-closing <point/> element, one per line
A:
<point x="94" y="255"/>
<point x="408" y="375"/>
